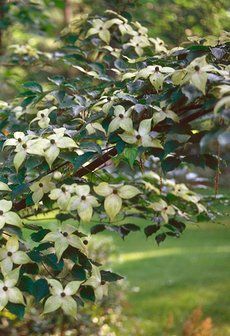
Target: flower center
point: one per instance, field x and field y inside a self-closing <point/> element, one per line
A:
<point x="52" y="141"/>
<point x="137" y="45"/>
<point x="85" y="242"/>
<point x="42" y="115"/>
<point x="5" y="288"/>
<point x="9" y="254"/>
<point x="1" y="212"/>
<point x="102" y="282"/>
<point x="165" y="208"/>
<point x="121" y="116"/>
<point x="24" y="146"/>
<point x="138" y="137"/>
<point x="197" y="68"/>
<point x="19" y="140"/>
<point x="101" y="28"/>
<point x="83" y="198"/>
<point x="40" y="185"/>
<point x="115" y="191"/>
<point x="63" y="294"/>
<point x="65" y="234"/>
<point x="63" y="189"/>
<point x="157" y="69"/>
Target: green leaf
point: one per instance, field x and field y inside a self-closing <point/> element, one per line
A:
<point x="160" y="238"/>
<point x="87" y="293"/>
<point x="16" y="309"/>
<point x="38" y="236"/>
<point x="26" y="284"/>
<point x="97" y="228"/>
<point x="77" y="160"/>
<point x="130" y="153"/>
<point x="150" y="229"/>
<point x="33" y="86"/>
<point x="78" y="273"/>
<point x="41" y="289"/>
<point x="170" y="163"/>
<point x="110" y="276"/>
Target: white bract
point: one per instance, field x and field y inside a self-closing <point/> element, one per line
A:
<point x="101" y="28"/>
<point x="114" y="193"/>
<point x="10" y="254"/>
<point x="159" y="44"/>
<point x="63" y="237"/>
<point x="4" y="187"/>
<point x="161" y="113"/>
<point x="8" y="291"/>
<point x="41" y="187"/>
<point x="43" y="117"/>
<point x="138" y="43"/>
<point x="83" y="202"/>
<point x="25" y="144"/>
<point x="156" y="74"/>
<point x="196" y="73"/>
<point x="164" y="209"/>
<point x="7" y="216"/>
<point x="62" y="298"/>
<point x="55" y="142"/>
<point x="62" y="196"/>
<point x="122" y="120"/>
<point x="141" y="137"/>
<point x="100" y="287"/>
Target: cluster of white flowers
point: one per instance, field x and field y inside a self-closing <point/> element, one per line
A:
<point x="31" y="144"/>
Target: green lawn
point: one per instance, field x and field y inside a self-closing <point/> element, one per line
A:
<point x="167" y="283"/>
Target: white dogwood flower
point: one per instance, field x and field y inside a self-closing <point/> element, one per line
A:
<point x="159" y="45"/>
<point x="63" y="237"/>
<point x="101" y="28"/>
<point x="114" y="193"/>
<point x="4" y="187"/>
<point x="8" y="291"/>
<point x="196" y="73"/>
<point x="141" y="137"/>
<point x="43" y="117"/>
<point x="7" y="216"/>
<point x="62" y="298"/>
<point x="164" y="209"/>
<point x="57" y="141"/>
<point x="161" y="113"/>
<point x="138" y="43"/>
<point x="25" y="144"/>
<point x="122" y="119"/>
<point x="100" y="287"/>
<point x="83" y="202"/>
<point x="156" y="74"/>
<point x="10" y="254"/>
<point x="62" y="196"/>
<point x="41" y="187"/>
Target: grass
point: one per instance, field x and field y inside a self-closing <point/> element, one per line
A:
<point x="168" y="282"/>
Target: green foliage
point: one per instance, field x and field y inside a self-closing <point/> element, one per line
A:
<point x="86" y="147"/>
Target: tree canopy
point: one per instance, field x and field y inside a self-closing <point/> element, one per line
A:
<point x="95" y="146"/>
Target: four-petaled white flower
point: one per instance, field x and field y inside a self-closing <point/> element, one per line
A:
<point x="83" y="202"/>
<point x="7" y="216"/>
<point x="122" y="120"/>
<point x="100" y="287"/>
<point x="163" y="112"/>
<point x="196" y="73"/>
<point x="43" y="117"/>
<point x="41" y="187"/>
<point x="62" y="196"/>
<point x="159" y="45"/>
<point x="56" y="142"/>
<point x="62" y="298"/>
<point x="156" y="74"/>
<point x="25" y="144"/>
<point x="164" y="209"/>
<point x="10" y="254"/>
<point x="114" y="193"/>
<point x="63" y="237"/>
<point x="101" y="28"/>
<point x="138" y="43"/>
<point x="141" y="137"/>
<point x="8" y="291"/>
